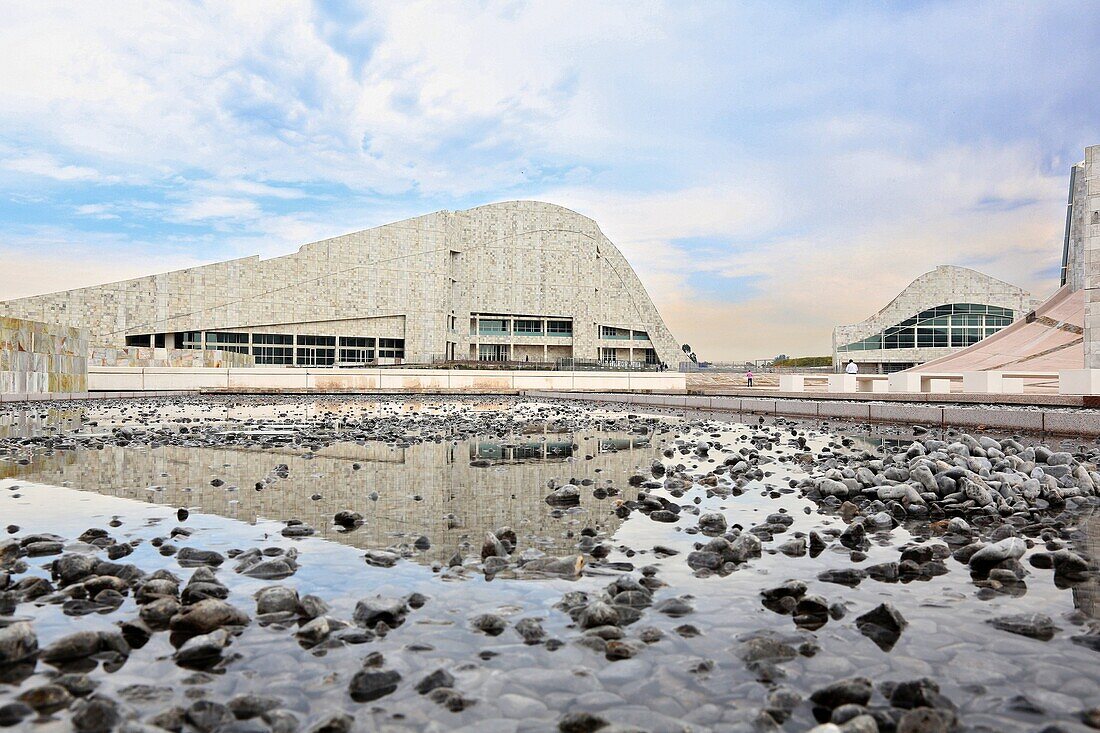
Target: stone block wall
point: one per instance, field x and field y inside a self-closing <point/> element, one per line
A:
<point x="144" y="356"/>
<point x="37" y="358"/>
<point x="1084" y="266"/>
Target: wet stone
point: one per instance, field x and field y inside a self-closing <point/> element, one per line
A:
<point x="854" y="691"/>
<point x="368" y="684"/>
<point x="1035" y="625"/>
<point x="438" y="678"/>
<point x="883" y="625"/>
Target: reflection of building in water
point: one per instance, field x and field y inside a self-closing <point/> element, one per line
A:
<point x="613" y="445"/>
<point x="1086" y="596"/>
<point x="540" y="450"/>
<point x="24" y="423"/>
<point x="440" y="474"/>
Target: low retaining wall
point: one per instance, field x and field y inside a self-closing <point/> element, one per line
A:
<point x="1054" y="422"/>
<point x="1031" y="399"/>
<point x="42" y="357"/>
<point x="276" y="379"/>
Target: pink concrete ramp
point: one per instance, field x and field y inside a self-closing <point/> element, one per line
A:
<point x="1048" y="340"/>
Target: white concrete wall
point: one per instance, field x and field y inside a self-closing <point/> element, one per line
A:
<point x="138" y="379"/>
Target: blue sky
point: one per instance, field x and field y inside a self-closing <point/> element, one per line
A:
<point x="770" y="169"/>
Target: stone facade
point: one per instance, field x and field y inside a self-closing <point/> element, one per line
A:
<point x="37" y="358"/>
<point x="1081" y="257"/>
<point x="143" y="356"/>
<point x="945" y="285"/>
<point x="425" y="285"/>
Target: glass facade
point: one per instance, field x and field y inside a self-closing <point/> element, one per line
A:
<point x="528" y="327"/>
<point x="287" y="349"/>
<point x="189" y="340"/>
<point x="956" y="324"/>
<point x="356" y="350"/>
<point x="559" y="328"/>
<point x="391" y="348"/>
<point x="234" y="342"/>
<point x="492" y="352"/>
<point x="610" y="332"/>
<point x="273" y="348"/>
<point x="492" y="326"/>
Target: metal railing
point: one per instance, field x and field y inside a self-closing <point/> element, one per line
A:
<point x="439" y="361"/>
<point x="726" y="367"/>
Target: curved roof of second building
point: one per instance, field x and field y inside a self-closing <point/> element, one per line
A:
<point x="943" y="285"/>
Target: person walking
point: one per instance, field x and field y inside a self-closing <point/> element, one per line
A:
<point x="748" y="377"/>
<point x="851" y="368"/>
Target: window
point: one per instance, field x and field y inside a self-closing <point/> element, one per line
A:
<point x="559" y="328"/>
<point x="955" y="325"/>
<point x="610" y="332"/>
<point x="356" y="356"/>
<point x="313" y="356"/>
<point x="226" y="338"/>
<point x="641" y="336"/>
<point x="273" y="338"/>
<point x="265" y="354"/>
<point x="391" y="348"/>
<point x="607" y="354"/>
<point x="189" y="340"/>
<point x="492" y="352"/>
<point x="492" y="325"/>
<point x="236" y="343"/>
<point x="143" y="340"/>
<point x="651" y="356"/>
<point x="316" y="340"/>
<point x="315" y="351"/>
<point x="528" y="327"/>
<point x="356" y="349"/>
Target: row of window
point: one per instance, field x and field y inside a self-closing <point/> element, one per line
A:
<point x="612" y="332"/>
<point x="954" y="325"/>
<point x="300" y="350"/>
<point x="648" y="356"/>
<point x="520" y="326"/>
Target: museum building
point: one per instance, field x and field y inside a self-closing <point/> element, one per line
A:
<point x="513" y="281"/>
<point x="939" y="313"/>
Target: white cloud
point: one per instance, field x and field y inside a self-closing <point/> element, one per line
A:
<point x="48" y="167"/>
<point x="215" y="207"/>
<point x="96" y="211"/>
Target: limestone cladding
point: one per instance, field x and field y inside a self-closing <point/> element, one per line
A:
<point x="947" y="284"/>
<point x="1083" y="239"/>
<point x="37" y="358"/>
<point x="398" y="280"/>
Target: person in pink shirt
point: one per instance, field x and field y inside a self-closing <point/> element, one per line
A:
<point x="748" y="378"/>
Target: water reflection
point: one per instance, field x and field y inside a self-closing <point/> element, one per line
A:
<point x="428" y="489"/>
<point x="539" y="451"/>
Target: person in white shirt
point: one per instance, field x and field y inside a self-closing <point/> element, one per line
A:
<point x="851" y="368"/>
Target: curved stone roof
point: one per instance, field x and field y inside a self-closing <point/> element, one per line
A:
<point x="941" y="286"/>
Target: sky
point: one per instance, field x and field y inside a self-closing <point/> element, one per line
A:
<point x="770" y="169"/>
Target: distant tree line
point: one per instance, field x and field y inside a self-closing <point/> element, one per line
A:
<point x="804" y="361"/>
